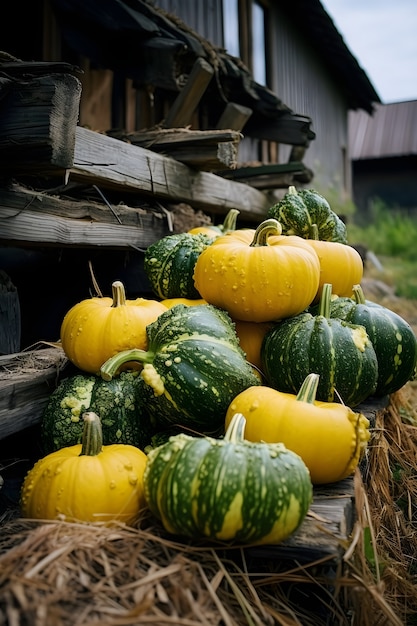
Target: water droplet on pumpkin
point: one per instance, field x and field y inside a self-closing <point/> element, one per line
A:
<point x="112" y="484"/>
<point x="133" y="479"/>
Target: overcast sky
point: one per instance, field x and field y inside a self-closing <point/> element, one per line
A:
<point x="382" y="36"/>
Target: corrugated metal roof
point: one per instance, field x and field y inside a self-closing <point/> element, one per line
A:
<point x="390" y="131"/>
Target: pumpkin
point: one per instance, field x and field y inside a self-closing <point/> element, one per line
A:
<point x="340" y="265"/>
<point x="258" y="275"/>
<point x="330" y="437"/>
<point x="227" y="489"/>
<point x="212" y="230"/>
<point x="251" y="335"/>
<point x="192" y="369"/>
<point x="96" y="328"/>
<point x="170" y="302"/>
<point x="301" y="210"/>
<point x="392" y="337"/>
<point x="118" y="402"/>
<point x="340" y="352"/>
<point x="87" y="482"/>
<point x="169" y="264"/>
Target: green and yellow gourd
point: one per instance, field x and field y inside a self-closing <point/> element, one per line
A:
<point x="227" y="489"/>
<point x="118" y="402"/>
<point x="193" y="368"/>
<point x="340" y="352"/>
<point x="301" y="210"/>
<point x="169" y="264"/>
<point x="392" y="337"/>
<point x="329" y="436"/>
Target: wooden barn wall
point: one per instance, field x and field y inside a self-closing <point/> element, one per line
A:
<point x="298" y="78"/>
<point x="302" y="83"/>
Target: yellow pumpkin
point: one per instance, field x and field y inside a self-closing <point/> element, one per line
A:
<point x="87" y="482"/>
<point x="328" y="436"/>
<point x="170" y="302"/>
<point x="95" y="329"/>
<point x="251" y="335"/>
<point x="213" y="231"/>
<point x="258" y="275"/>
<point x="340" y="265"/>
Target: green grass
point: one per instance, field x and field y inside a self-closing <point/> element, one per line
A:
<point x="392" y="236"/>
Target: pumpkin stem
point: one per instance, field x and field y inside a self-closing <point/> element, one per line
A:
<point x="292" y="190"/>
<point x="112" y="365"/>
<point x="236" y="429"/>
<point x="92" y="439"/>
<point x="266" y="228"/>
<point x="314" y="232"/>
<point x="358" y="294"/>
<point x="308" y="389"/>
<point x="326" y="295"/>
<point x="119" y="294"/>
<point x="230" y="221"/>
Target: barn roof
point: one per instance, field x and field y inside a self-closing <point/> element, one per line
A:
<point x="151" y="47"/>
<point x="390" y="132"/>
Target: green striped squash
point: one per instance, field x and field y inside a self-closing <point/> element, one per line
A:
<point x="193" y="368"/>
<point x="392" y="337"/>
<point x="341" y="353"/>
<point x="169" y="264"/>
<point x="302" y="211"/>
<point x="227" y="489"/>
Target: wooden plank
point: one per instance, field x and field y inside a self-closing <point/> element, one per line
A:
<point x="111" y="163"/>
<point x="187" y="101"/>
<point x="9" y="315"/>
<point x="234" y="116"/>
<point x="324" y="532"/>
<point x="26" y="381"/>
<point x="204" y="149"/>
<point x="38" y="218"/>
<point x="271" y="176"/>
<point x="51" y="103"/>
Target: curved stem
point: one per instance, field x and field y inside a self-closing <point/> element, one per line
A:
<point x="308" y="389"/>
<point x="264" y="230"/>
<point x="230" y="221"/>
<point x="358" y="294"/>
<point x="236" y="429"/>
<point x="324" y="306"/>
<point x="119" y="294"/>
<point x="92" y="439"/>
<point x="112" y="365"/>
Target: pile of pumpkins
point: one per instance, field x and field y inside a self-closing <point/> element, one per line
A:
<point x="220" y="403"/>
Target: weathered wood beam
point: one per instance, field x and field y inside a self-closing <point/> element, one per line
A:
<point x="234" y="116"/>
<point x="28" y="217"/>
<point x="111" y="163"/>
<point x="38" y="118"/>
<point x="203" y="149"/>
<point x="186" y="102"/>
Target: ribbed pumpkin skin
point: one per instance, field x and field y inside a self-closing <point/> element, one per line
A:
<point x="300" y="209"/>
<point x="328" y="436"/>
<point x="92" y="484"/>
<point x="118" y="402"/>
<point x="169" y="264"/>
<point x="340" y="264"/>
<point x="341" y="353"/>
<point x="193" y="368"/>
<point x="96" y="328"/>
<point x="258" y="283"/>
<point x="392" y="337"/>
<point x="243" y="492"/>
